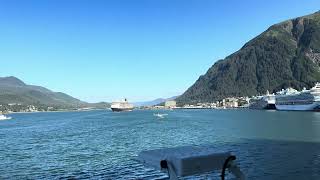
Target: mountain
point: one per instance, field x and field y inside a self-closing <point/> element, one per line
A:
<point x="154" y="102"/>
<point x="286" y="54"/>
<point x="11" y="81"/>
<point x="13" y="90"/>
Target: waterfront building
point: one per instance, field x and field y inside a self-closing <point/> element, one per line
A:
<point x="231" y="102"/>
<point x="170" y="104"/>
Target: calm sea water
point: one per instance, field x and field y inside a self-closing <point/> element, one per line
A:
<point x="102" y="144"/>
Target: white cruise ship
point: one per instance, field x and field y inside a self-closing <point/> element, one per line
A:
<point x="263" y="102"/>
<point x="121" y="106"/>
<point x="293" y="100"/>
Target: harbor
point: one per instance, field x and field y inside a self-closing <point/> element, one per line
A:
<point x="103" y="145"/>
<point x="288" y="99"/>
<point x="160" y="90"/>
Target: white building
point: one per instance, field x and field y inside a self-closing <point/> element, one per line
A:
<point x="170" y="104"/>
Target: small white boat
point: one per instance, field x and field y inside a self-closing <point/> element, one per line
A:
<point x="160" y="115"/>
<point x="3" y="117"/>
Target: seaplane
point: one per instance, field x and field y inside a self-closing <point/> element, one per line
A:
<point x="160" y="115"/>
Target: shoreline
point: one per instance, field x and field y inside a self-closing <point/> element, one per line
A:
<point x="55" y="111"/>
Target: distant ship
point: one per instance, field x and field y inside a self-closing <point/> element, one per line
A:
<point x="263" y="102"/>
<point x="293" y="100"/>
<point x="121" y="106"/>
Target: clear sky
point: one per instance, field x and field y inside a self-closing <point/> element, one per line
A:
<point x="140" y="49"/>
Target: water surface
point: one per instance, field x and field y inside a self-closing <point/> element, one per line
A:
<point x="103" y="144"/>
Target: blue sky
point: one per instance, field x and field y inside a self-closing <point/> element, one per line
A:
<point x="139" y="49"/>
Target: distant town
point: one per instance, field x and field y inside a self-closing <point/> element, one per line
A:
<point x="233" y="102"/>
<point x="19" y="107"/>
<point x="227" y="103"/>
<point x="240" y="102"/>
<point x="286" y="99"/>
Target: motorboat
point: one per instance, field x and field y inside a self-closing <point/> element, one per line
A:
<point x="3" y="117"/>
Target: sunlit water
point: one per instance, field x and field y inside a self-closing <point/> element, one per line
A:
<point x="103" y="144"/>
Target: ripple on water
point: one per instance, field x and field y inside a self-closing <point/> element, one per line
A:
<point x="102" y="144"/>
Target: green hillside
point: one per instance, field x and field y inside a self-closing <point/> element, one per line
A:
<point x="13" y="90"/>
<point x="286" y="54"/>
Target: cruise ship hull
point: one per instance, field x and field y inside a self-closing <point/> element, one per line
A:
<point x="270" y="106"/>
<point x="121" y="109"/>
<point x="300" y="107"/>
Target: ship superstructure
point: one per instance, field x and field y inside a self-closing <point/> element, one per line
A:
<point x="305" y="100"/>
<point x="263" y="102"/>
<point x="121" y="106"/>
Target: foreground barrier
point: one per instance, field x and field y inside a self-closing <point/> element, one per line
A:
<point x="190" y="160"/>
